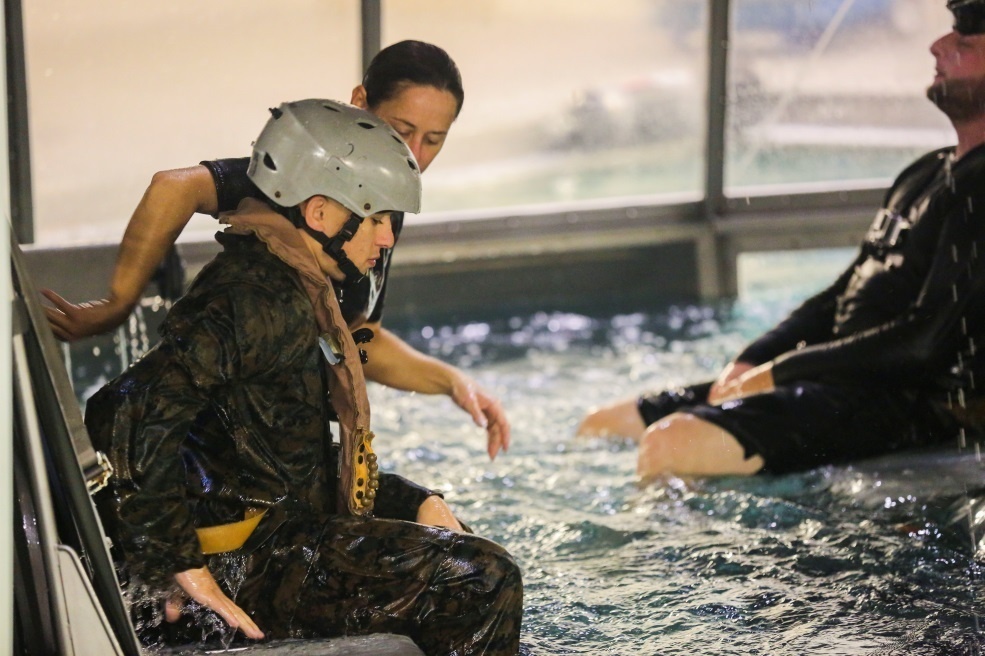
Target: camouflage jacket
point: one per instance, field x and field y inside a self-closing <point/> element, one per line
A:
<point x="227" y="412"/>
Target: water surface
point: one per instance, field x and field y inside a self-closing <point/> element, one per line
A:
<point x="873" y="558"/>
<point x="865" y="559"/>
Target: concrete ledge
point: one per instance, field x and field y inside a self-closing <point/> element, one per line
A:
<point x="604" y="259"/>
<point x="380" y="644"/>
<point x="625" y="279"/>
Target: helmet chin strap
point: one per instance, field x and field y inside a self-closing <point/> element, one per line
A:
<point x="333" y="245"/>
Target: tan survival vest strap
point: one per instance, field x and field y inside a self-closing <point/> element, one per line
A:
<point x="358" y="478"/>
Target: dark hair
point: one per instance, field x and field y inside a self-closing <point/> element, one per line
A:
<point x="413" y="62"/>
<point x="969" y="16"/>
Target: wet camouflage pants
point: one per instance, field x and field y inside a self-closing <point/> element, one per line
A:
<point x="451" y="593"/>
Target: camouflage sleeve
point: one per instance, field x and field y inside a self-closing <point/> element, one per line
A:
<point x="144" y="417"/>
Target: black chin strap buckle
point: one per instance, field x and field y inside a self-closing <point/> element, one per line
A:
<point x="333" y="246"/>
<point x="350" y="227"/>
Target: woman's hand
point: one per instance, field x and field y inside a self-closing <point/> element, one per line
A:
<point x="168" y="203"/>
<point x="396" y="364"/>
<point x="70" y="321"/>
<point x="199" y="585"/>
<point x="486" y="412"/>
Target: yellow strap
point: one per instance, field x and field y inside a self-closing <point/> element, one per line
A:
<point x="229" y="537"/>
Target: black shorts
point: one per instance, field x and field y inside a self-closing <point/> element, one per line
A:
<point x="804" y="425"/>
<point x="399" y="498"/>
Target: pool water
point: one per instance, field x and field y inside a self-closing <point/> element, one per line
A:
<point x="873" y="558"/>
<point x="867" y="559"/>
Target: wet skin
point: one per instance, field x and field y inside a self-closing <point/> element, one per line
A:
<point x="327" y="216"/>
<point x="421" y="115"/>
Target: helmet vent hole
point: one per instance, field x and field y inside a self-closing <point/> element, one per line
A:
<point x="365" y="125"/>
<point x="331" y="109"/>
<point x="410" y="163"/>
<point x="269" y="162"/>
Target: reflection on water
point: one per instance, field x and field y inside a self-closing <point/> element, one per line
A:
<point x="875" y="558"/>
<point x="869" y="559"/>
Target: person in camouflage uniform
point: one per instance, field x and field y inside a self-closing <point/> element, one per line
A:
<point x="228" y="417"/>
<point x="416" y="88"/>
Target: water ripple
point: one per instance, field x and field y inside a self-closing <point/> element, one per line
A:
<point x="866" y="559"/>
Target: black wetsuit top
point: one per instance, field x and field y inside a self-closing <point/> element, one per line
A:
<point x="361" y="299"/>
<point x="886" y="358"/>
<point x="908" y="310"/>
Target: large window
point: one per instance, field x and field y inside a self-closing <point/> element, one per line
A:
<point x="120" y="90"/>
<point x="564" y="101"/>
<point x="830" y="91"/>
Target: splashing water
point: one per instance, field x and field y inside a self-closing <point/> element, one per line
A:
<point x="198" y="625"/>
<point x="865" y="559"/>
<point x="875" y="558"/>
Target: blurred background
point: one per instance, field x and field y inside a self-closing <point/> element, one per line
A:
<point x="567" y="101"/>
<point x="608" y="159"/>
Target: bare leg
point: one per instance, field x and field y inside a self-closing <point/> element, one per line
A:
<point x="683" y="444"/>
<point x="620" y="419"/>
<point x="435" y="512"/>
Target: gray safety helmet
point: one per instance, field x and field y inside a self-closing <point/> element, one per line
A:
<point x="329" y="148"/>
<point x="969" y="15"/>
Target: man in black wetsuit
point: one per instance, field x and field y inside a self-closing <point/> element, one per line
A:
<point x="885" y="358"/>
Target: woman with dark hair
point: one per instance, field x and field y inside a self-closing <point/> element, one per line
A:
<point x="417" y="89"/>
<point x="411" y="63"/>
